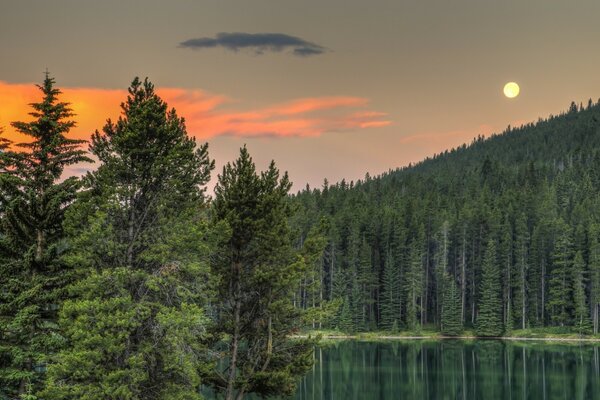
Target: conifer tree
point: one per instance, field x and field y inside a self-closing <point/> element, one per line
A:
<point x="521" y="270"/>
<point x="390" y="302"/>
<point x="581" y="316"/>
<point x="135" y="328"/>
<point x="508" y="274"/>
<point x="414" y="280"/>
<point x="367" y="283"/>
<point x="441" y="268"/>
<point x="560" y="293"/>
<point x="489" y="318"/>
<point x="344" y="321"/>
<point x="33" y="277"/>
<point x="257" y="273"/>
<point x="594" y="268"/>
<point x="451" y="322"/>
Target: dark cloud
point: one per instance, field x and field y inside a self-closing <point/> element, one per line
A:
<point x="259" y="42"/>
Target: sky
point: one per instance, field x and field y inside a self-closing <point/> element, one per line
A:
<point x="328" y="89"/>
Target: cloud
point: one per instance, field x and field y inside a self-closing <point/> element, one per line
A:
<point x="207" y="115"/>
<point x="259" y="42"/>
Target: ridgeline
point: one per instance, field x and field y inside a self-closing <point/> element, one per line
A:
<point x="498" y="235"/>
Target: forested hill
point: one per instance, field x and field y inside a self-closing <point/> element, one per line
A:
<point x="500" y="234"/>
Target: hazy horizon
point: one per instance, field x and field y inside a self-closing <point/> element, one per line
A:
<point x="326" y="94"/>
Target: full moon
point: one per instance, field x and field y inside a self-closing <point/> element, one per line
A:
<point x="511" y="90"/>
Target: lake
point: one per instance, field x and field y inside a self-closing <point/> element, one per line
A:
<point x="453" y="369"/>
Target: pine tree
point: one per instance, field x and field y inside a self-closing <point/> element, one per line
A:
<point x="582" y="320"/>
<point x="489" y="319"/>
<point x="344" y="321"/>
<point x="367" y="283"/>
<point x="139" y="240"/>
<point x="521" y="271"/>
<point x="441" y="268"/>
<point x="508" y="274"/>
<point x="257" y="273"/>
<point x="390" y="302"/>
<point x="414" y="280"/>
<point x="594" y="267"/>
<point x="560" y="295"/>
<point x="451" y="322"/>
<point x="33" y="277"/>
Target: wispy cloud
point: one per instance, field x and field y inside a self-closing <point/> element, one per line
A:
<point x="259" y="43"/>
<point x="207" y="115"/>
<point x="307" y="117"/>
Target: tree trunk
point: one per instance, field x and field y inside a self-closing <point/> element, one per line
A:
<point x="39" y="245"/>
<point x="130" y="233"/>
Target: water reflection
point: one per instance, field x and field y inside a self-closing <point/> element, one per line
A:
<point x="451" y="369"/>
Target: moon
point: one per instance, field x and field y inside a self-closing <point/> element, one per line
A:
<point x="511" y="90"/>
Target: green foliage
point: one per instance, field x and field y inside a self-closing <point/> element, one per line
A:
<point x="581" y="321"/>
<point x="560" y="285"/>
<point x="594" y="267"/>
<point x="451" y="324"/>
<point x="258" y="273"/>
<point x="489" y="319"/>
<point x="526" y="188"/>
<point x="33" y="202"/>
<point x="391" y="292"/>
<point x="135" y="326"/>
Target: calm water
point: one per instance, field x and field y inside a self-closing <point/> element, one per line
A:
<point x="449" y="369"/>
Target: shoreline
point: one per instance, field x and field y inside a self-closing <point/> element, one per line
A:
<point x="395" y="337"/>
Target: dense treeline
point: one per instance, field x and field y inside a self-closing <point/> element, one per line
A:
<point x="498" y="235"/>
<point x="129" y="283"/>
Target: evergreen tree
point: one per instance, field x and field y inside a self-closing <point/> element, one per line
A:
<point x="582" y="320"/>
<point x="594" y="268"/>
<point x="521" y="270"/>
<point x="33" y="278"/>
<point x="390" y="302"/>
<point x="414" y="280"/>
<point x="560" y="286"/>
<point x="257" y="273"/>
<point x="451" y="322"/>
<point x="442" y="249"/>
<point x="135" y="328"/>
<point x="367" y="283"/>
<point x="489" y="319"/>
<point x="344" y="321"/>
<point x="508" y="275"/>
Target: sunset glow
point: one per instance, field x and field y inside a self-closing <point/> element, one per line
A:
<point x="207" y="115"/>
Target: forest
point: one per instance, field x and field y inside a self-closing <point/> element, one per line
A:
<point x="133" y="282"/>
<point x="499" y="235"/>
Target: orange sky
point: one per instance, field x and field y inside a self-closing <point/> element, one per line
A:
<point x="204" y="112"/>
<point x="376" y="86"/>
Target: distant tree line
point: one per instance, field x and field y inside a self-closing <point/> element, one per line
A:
<point x="498" y="235"/>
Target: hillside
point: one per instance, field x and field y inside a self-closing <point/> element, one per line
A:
<point x="503" y="233"/>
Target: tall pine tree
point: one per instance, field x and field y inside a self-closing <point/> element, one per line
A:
<point x="139" y="240"/>
<point x="390" y="298"/>
<point x="257" y="272"/>
<point x="489" y="318"/>
<point x="451" y="304"/>
<point x="33" y="277"/>
<point x="594" y="268"/>
<point x="581" y="320"/>
<point x="560" y="293"/>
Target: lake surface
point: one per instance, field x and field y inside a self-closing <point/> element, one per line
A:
<point x="453" y="369"/>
